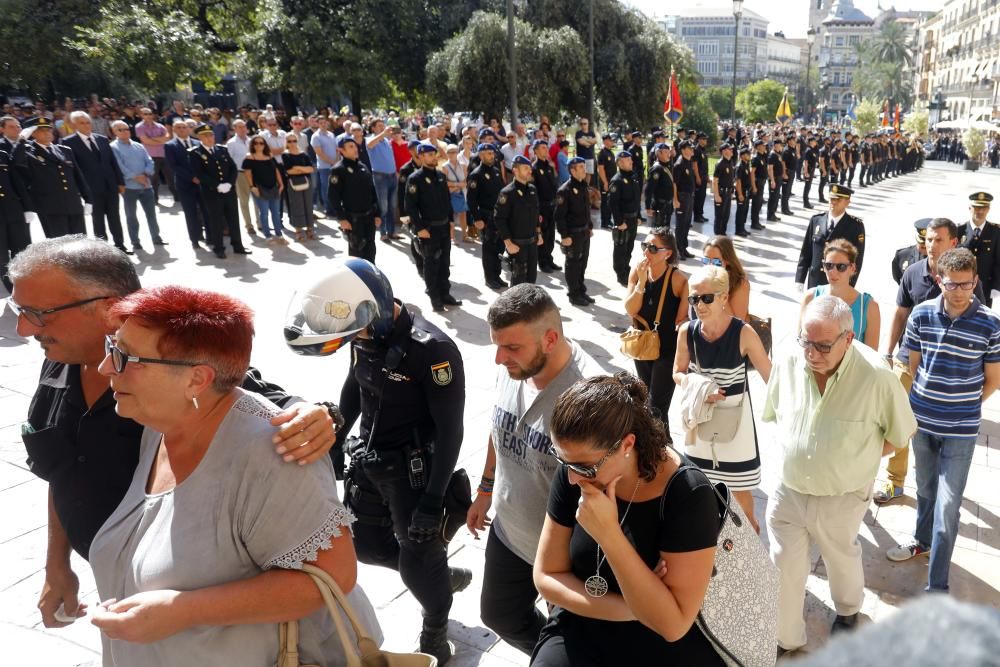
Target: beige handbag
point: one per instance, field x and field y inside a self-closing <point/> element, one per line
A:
<point x="644" y="344"/>
<point x="364" y="653"/>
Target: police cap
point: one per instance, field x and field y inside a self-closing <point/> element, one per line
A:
<point x="345" y="139"/>
<point x="725" y="147"/>
<point x="425" y="147"/>
<point x="487" y="132"/>
<point x="413" y="143"/>
<point x="980" y="199"/>
<point x="921" y="227"/>
<point x="575" y="161"/>
<point x="520" y="159"/>
<point x="622" y="155"/>
<point x="539" y="142"/>
<point x="662" y="146"/>
<point x="684" y="144"/>
<point x="485" y="147"/>
<point x="205" y="128"/>
<point x="838" y="191"/>
<point x="744" y="151"/>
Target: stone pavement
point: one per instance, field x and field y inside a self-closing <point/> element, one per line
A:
<point x="266" y="280"/>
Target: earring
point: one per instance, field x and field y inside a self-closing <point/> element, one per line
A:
<point x="628" y="454"/>
<point x="194" y="399"/>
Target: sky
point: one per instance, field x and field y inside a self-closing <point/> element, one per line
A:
<point x="792" y="18"/>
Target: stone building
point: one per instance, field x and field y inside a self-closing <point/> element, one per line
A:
<point x="839" y="32"/>
<point x="710" y="34"/>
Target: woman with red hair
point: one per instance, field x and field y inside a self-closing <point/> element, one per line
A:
<point x="196" y="563"/>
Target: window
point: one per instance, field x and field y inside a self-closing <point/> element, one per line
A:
<point x="839" y="41"/>
<point x="847" y="99"/>
<point x="836" y="78"/>
<point x="709" y="48"/>
<point x="854" y="40"/>
<point x="708" y="67"/>
<point x="819" y="4"/>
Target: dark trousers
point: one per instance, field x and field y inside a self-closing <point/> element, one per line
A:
<point x="700" y="192"/>
<point x="773" y="199"/>
<point x="507" y="603"/>
<point x="624" y="243"/>
<point x="383" y="504"/>
<point x="222" y="212"/>
<point x="524" y="263"/>
<point x="436" y="251"/>
<point x="659" y="378"/>
<point x="361" y="238"/>
<point x="742" y="209"/>
<point x="805" y="192"/>
<point x="15" y="236"/>
<point x="161" y="170"/>
<point x="823" y="181"/>
<point x="722" y="211"/>
<point x="577" y="256"/>
<point x="548" y="225"/>
<point x="683" y="215"/>
<point x="605" y="209"/>
<point x="756" y="204"/>
<point x="415" y="252"/>
<point x="843" y="176"/>
<point x="850" y="175"/>
<point x="861" y="178"/>
<point x="786" y="195"/>
<point x="105" y="205"/>
<point x="192" y="204"/>
<point x="492" y="246"/>
<point x="54" y="224"/>
<point x="663" y="211"/>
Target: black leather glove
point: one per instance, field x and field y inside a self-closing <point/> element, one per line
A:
<point x="425" y="524"/>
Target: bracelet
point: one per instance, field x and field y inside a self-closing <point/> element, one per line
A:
<point x="484" y="492"/>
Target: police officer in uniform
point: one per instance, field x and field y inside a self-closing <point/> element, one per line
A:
<point x="484" y="185"/>
<point x="789" y="157"/>
<point x="723" y="184"/>
<point x="54" y="184"/>
<point x="352" y="200"/>
<point x="758" y="172"/>
<point x="775" y="178"/>
<point x="660" y="194"/>
<point x="606" y="170"/>
<point x="684" y="184"/>
<point x="983" y="239"/>
<point x="428" y="203"/>
<point x="15" y="235"/>
<point x="519" y="223"/>
<point x="808" y="171"/>
<point x="865" y="161"/>
<point x="626" y="199"/>
<point x="406" y="383"/>
<point x="217" y="173"/>
<point x="546" y="183"/>
<point x="836" y="223"/>
<point x="701" y="176"/>
<point x="744" y="188"/>
<point x="904" y="257"/>
<point x="408" y="168"/>
<point x="638" y="159"/>
<point x="823" y="160"/>
<point x="575" y="229"/>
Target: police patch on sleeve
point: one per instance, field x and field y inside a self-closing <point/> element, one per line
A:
<point x="472" y="185"/>
<point x="412" y="189"/>
<point x="334" y="179"/>
<point x="502" y="199"/>
<point x="613" y="188"/>
<point x="656" y="176"/>
<point x="442" y="373"/>
<point x="559" y="199"/>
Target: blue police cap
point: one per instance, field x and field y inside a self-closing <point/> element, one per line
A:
<point x="623" y="154"/>
<point x="520" y="159"/>
<point x="486" y="147"/>
<point x="413" y="143"/>
<point x="539" y="142"/>
<point x="662" y="146"/>
<point x="577" y="160"/>
<point x="487" y="132"/>
<point x="426" y="148"/>
<point x="344" y="139"/>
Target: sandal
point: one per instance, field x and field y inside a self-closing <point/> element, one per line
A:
<point x="300" y="236"/>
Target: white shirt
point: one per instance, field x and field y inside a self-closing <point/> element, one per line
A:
<point x="510" y="151"/>
<point x="832" y="221"/>
<point x="276" y="142"/>
<point x="238" y="149"/>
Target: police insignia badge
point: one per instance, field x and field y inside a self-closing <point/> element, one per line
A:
<point x="428" y="181"/>
<point x="412" y="189"/>
<point x="575" y="191"/>
<point x="442" y="373"/>
<point x="487" y="176"/>
<point x="472" y="185"/>
<point x="687" y="171"/>
<point x="350" y="171"/>
<point x="502" y="199"/>
<point x="656" y="177"/>
<point x="613" y="188"/>
<point x="334" y="179"/>
<point x="338" y="309"/>
<point x="559" y="198"/>
<point x="625" y="181"/>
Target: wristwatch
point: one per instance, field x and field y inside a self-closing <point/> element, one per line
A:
<point x="335" y="414"/>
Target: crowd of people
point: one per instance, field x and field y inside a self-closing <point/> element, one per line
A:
<point x="147" y="410"/>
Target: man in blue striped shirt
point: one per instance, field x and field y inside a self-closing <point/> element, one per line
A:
<point x="954" y="344"/>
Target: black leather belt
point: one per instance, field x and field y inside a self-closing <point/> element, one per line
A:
<point x="578" y="230"/>
<point x="436" y="223"/>
<point x="526" y="241"/>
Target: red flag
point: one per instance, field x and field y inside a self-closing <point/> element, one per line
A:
<point x="885" y="114"/>
<point x="895" y="123"/>
<point x="673" y="108"/>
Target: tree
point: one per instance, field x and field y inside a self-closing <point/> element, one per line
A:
<point x="759" y="101"/>
<point x="719" y="99"/>
<point x="885" y="63"/>
<point x="974" y="143"/>
<point x="867" y="116"/>
<point x="891" y="45"/>
<point x="699" y="114"/>
<point x="917" y="123"/>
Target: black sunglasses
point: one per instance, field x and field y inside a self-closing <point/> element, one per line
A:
<point x="839" y="266"/>
<point x="704" y="298"/>
<point x="36" y="317"/>
<point x="583" y="470"/>
<point x="822" y="348"/>
<point x="119" y="359"/>
<point x="651" y="248"/>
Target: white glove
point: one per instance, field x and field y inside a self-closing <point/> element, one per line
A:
<point x="224" y="187"/>
<point x="31" y="216"/>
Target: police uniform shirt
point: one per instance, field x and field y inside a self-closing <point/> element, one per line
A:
<point x="823" y="159"/>
<point x="53" y="180"/>
<point x="352" y="190"/>
<point x="819" y="232"/>
<point x="725" y="173"/>
<point x="777" y="166"/>
<point x="638" y="160"/>
<point x="12" y="192"/>
<point x="790" y="159"/>
<point x="517" y="211"/>
<point x="660" y="188"/>
<point x="684" y="175"/>
<point x="572" y="208"/>
<point x="606" y="158"/>
<point x="759" y="165"/>
<point x="986" y="247"/>
<point x="624" y="196"/>
<point x="546" y="181"/>
<point x="427" y="198"/>
<point x="404" y="173"/>
<point x="743" y="176"/>
<point x="701" y="159"/>
<point x="213" y="167"/>
<point x="483" y="189"/>
<point x="833" y="160"/>
<point x="809" y="162"/>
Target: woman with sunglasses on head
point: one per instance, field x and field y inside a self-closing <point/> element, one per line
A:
<point x="719" y="251"/>
<point x="299" y="169"/>
<point x="611" y="519"/>
<point x="839" y="257"/>
<point x="718" y="345"/>
<point x="266" y="185"/>
<point x="197" y="564"/>
<point x="654" y="276"/>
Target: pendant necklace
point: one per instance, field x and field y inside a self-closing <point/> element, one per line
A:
<point x="596" y="585"/>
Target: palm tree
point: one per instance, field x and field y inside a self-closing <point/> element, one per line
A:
<point x="892" y="46"/>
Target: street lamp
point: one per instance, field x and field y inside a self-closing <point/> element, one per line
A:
<point x="737" y="12"/>
<point x="810" y="38"/>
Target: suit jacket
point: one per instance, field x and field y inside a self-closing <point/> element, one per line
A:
<point x="99" y="168"/>
<point x="180" y="164"/>
<point x="987" y="251"/>
<point x="810" y="269"/>
<point x="54" y="183"/>
<point x="213" y="167"/>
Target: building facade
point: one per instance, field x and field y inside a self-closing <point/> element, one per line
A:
<point x="838" y="35"/>
<point x="785" y="60"/>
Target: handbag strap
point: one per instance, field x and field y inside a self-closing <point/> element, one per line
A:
<point x="722" y="499"/>
<point x="693" y="344"/>
<point x="663" y="296"/>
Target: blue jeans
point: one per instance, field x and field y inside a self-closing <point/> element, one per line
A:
<point x="146" y="197"/>
<point x="322" y="186"/>
<point x="385" y="189"/>
<point x="942" y="469"/>
<point x="270" y="209"/>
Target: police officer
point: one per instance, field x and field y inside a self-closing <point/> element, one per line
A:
<point x="864" y="162"/>
<point x="823" y="160"/>
<point x="485" y="183"/>
<point x="904" y="257"/>
<point x="684" y="185"/>
<point x="15" y="235"/>
<point x="789" y="158"/>
<point x="854" y="157"/>
<point x="519" y="223"/>
<point x="606" y="170"/>
<point x="983" y="239"/>
<point x="406" y="383"/>
<point x="744" y="188"/>
<point x="836" y="223"/>
<point x="660" y="194"/>
<point x="758" y="179"/>
<point x="352" y="200"/>
<point x="54" y="184"/>
<point x="723" y="185"/>
<point x="775" y="178"/>
<point x="625" y="200"/>
<point x="543" y="173"/>
<point x="575" y="229"/>
<point x="408" y="168"/>
<point x="808" y="170"/>
<point x="217" y="173"/>
<point x="701" y="176"/>
<point x="428" y="203"/>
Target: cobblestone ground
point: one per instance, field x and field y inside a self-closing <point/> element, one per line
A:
<point x="266" y="280"/>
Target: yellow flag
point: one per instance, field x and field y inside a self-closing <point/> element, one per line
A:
<point x="784" y="111"/>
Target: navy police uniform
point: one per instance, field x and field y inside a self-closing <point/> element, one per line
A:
<point x="819" y="232"/>
<point x="428" y="204"/>
<point x="660" y="192"/>
<point x="15" y="235"/>
<point x="984" y="242"/>
<point x="352" y="198"/>
<point x="214" y="167"/>
<point x="625" y="198"/>
<point x="573" y="223"/>
<point x="54" y="186"/>
<point x="725" y="177"/>
<point x="517" y="220"/>
<point x="905" y="257"/>
<point x="546" y="182"/>
<point x="484" y="185"/>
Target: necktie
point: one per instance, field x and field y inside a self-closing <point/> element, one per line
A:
<point x="975" y="234"/>
<point x="91" y="145"/>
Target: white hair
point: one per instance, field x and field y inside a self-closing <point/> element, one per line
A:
<point x="119" y="123"/>
<point x="829" y="308"/>
<point x="79" y="115"/>
<point x="715" y="276"/>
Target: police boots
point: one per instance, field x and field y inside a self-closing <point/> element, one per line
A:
<point x="434" y="641"/>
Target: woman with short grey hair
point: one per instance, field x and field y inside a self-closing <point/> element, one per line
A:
<point x="299" y="170"/>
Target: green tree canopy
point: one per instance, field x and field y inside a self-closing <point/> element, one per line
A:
<point x="917" y="123"/>
<point x="867" y="112"/>
<point x="885" y="66"/>
<point x="759" y="101"/>
<point x="719" y="99"/>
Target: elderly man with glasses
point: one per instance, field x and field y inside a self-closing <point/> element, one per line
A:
<point x="837" y="411"/>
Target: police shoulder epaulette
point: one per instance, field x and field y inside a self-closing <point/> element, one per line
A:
<point x="420" y="335"/>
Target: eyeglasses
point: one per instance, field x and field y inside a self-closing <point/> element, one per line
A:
<point x="951" y="287"/>
<point x="706" y="299"/>
<point x="590" y="472"/>
<point x="651" y="248"/>
<point x="839" y="266"/>
<point x="822" y="348"/>
<point x="291" y="141"/>
<point x="119" y="359"/>
<point x="36" y="317"/>
<point x="710" y="260"/>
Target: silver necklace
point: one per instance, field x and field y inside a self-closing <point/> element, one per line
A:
<point x="596" y="585"/>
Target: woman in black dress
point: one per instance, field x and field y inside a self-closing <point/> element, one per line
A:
<point x="610" y="521"/>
